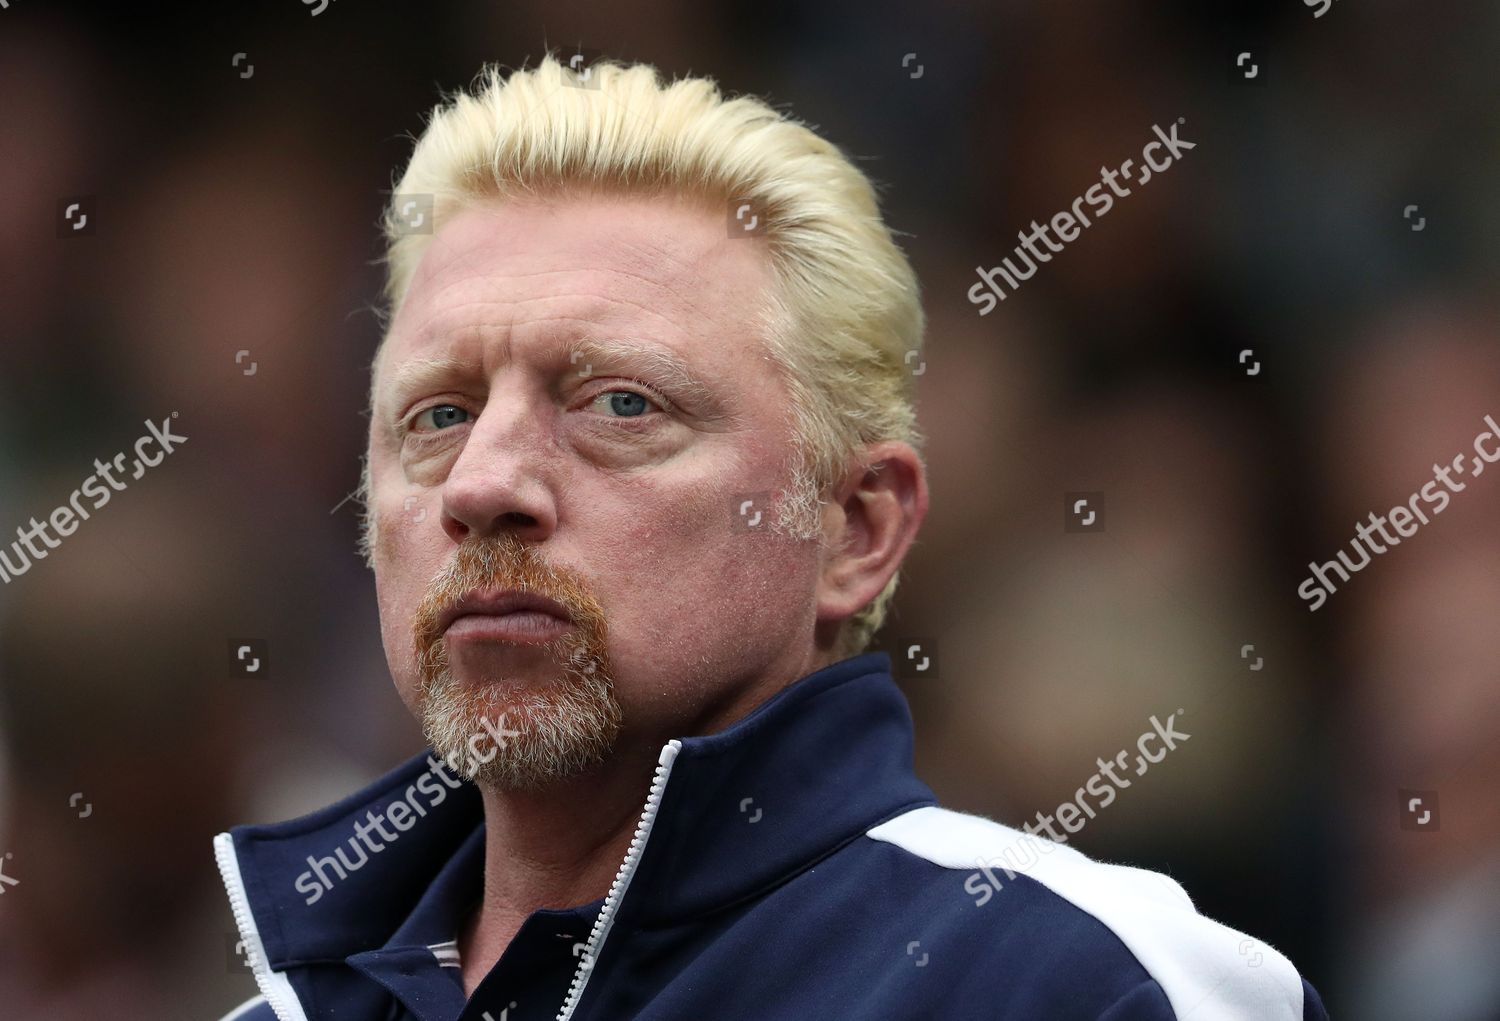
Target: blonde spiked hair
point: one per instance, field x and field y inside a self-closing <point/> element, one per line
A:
<point x="843" y="322"/>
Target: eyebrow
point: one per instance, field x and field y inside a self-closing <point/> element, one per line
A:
<point x="418" y="374"/>
<point x="657" y="365"/>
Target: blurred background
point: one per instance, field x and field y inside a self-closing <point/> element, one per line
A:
<point x="233" y="160"/>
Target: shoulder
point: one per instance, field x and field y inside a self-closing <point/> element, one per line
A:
<point x="1195" y="961"/>
<point x="256" y="1009"/>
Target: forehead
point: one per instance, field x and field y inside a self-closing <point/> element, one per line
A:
<point x="661" y="269"/>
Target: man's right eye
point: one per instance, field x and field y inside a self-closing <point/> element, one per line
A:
<point x="439" y="416"/>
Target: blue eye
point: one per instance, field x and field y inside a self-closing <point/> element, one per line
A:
<point x="441" y="416"/>
<point x="624" y="403"/>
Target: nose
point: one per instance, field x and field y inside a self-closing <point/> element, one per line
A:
<point x="499" y="482"/>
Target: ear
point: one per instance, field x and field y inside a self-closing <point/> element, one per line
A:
<point x="869" y="525"/>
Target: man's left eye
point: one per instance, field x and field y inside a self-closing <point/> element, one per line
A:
<point x="623" y="403"/>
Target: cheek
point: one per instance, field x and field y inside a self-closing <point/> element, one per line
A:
<point x="404" y="567"/>
<point x="688" y="562"/>
<point x="395" y="631"/>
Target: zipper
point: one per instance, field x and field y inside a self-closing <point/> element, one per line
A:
<point x="273" y="985"/>
<point x="622" y="881"/>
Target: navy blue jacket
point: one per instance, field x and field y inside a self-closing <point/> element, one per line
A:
<point x="788" y="867"/>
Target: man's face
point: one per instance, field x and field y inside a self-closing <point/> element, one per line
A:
<point x="529" y="433"/>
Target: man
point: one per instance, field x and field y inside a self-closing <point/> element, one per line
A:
<point x="642" y="469"/>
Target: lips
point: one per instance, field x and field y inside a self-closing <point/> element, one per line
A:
<point x="502" y="604"/>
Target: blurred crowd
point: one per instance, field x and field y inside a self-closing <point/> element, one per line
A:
<point x="230" y="278"/>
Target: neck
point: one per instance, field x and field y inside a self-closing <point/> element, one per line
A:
<point x="553" y="848"/>
<point x="562" y="846"/>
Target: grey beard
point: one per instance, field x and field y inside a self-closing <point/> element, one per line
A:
<point x="535" y="736"/>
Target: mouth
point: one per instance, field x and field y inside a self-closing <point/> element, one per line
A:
<point x="521" y="618"/>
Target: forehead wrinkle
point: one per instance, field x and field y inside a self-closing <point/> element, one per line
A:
<point x="599" y="311"/>
<point x="685" y="253"/>
<point x="437" y="310"/>
<point x="686" y="284"/>
<point x="657" y="243"/>
<point x="462" y="260"/>
<point x="685" y="267"/>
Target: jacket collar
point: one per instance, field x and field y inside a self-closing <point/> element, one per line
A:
<point x="809" y="770"/>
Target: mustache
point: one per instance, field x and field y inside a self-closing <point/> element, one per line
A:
<point x="504" y="562"/>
